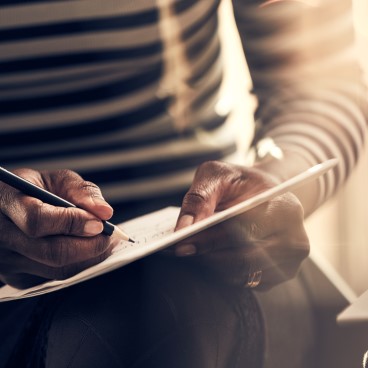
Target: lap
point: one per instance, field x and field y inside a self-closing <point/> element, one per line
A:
<point x="14" y="321"/>
<point x="157" y="312"/>
<point x="290" y="325"/>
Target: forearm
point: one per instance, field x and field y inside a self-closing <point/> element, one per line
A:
<point x="312" y="102"/>
<point x="311" y="129"/>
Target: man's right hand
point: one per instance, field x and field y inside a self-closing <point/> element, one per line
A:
<point x="39" y="241"/>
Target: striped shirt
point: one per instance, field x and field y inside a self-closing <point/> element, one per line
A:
<point x="127" y="93"/>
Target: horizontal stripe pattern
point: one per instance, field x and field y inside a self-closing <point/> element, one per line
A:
<point x="81" y="88"/>
<point x="303" y="66"/>
<point x="84" y="85"/>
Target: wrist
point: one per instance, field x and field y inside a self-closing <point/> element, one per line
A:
<point x="278" y="161"/>
<point x="283" y="163"/>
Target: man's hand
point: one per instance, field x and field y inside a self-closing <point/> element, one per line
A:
<point x="39" y="241"/>
<point x="270" y="238"/>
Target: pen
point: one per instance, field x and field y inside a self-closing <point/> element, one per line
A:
<point x="35" y="191"/>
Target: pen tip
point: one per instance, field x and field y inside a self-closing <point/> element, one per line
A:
<point x="121" y="234"/>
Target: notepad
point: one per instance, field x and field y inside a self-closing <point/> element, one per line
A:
<point x="155" y="231"/>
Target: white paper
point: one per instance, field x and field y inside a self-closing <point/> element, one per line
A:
<point x="155" y="231"/>
<point x="148" y="231"/>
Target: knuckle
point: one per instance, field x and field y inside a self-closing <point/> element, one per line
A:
<point x="6" y="197"/>
<point x="91" y="188"/>
<point x="64" y="174"/>
<point x="56" y="254"/>
<point x="70" y="221"/>
<point x="34" y="221"/>
<point x="195" y="197"/>
<point x="88" y="185"/>
<point x="221" y="170"/>
<point x="82" y="184"/>
<point x="65" y="178"/>
<point x="61" y="176"/>
<point x="212" y="169"/>
<point x="100" y="245"/>
<point x="293" y="206"/>
<point x="8" y="203"/>
<point x="211" y="166"/>
<point x="195" y="201"/>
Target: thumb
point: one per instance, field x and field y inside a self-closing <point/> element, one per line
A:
<point x="83" y="194"/>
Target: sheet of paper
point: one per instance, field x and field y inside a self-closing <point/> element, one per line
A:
<point x="356" y="312"/>
<point x="148" y="231"/>
<point x="154" y="232"/>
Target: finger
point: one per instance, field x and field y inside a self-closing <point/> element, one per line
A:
<point x="12" y="270"/>
<point x="229" y="233"/>
<point x="55" y="251"/>
<point x="84" y="194"/>
<point x="27" y="266"/>
<point x="278" y="274"/>
<point x="216" y="186"/>
<point x="197" y="205"/>
<point x="61" y="273"/>
<point x="201" y="200"/>
<point x="22" y="281"/>
<point x="22" y="272"/>
<point x="230" y="266"/>
<point x="234" y="266"/>
<point x="37" y="219"/>
<point x="232" y="261"/>
<point x="269" y="235"/>
<point x="283" y="214"/>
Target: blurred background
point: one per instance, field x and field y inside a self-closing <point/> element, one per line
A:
<point x="339" y="229"/>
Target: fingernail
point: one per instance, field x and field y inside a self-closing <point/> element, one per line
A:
<point x="184" y="221"/>
<point x="103" y="206"/>
<point x="93" y="227"/>
<point x="185" y="250"/>
<point x="101" y="202"/>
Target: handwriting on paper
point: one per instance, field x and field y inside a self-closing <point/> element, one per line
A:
<point x="150" y="228"/>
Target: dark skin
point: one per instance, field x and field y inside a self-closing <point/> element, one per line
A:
<point x="270" y="237"/>
<point x="39" y="241"/>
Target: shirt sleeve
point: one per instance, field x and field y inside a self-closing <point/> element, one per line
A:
<point x="311" y="99"/>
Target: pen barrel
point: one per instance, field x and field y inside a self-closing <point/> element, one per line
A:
<point x="32" y="190"/>
<point x="108" y="228"/>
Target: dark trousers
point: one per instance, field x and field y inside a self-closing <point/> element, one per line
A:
<point x="157" y="312"/>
